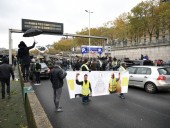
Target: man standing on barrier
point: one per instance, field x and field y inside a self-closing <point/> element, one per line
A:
<point x="24" y="59"/>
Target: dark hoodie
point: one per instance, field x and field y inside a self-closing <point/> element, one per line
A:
<point x="23" y="53"/>
<point x="6" y="70"/>
<point x="56" y="76"/>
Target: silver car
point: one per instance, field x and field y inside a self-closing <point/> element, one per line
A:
<point x="151" y="78"/>
<point x="45" y="71"/>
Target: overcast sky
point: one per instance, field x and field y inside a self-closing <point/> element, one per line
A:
<point x="69" y="12"/>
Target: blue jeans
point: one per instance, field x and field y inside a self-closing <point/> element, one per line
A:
<point x="85" y="98"/>
<point x="57" y="95"/>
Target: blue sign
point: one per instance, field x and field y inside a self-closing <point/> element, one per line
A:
<point x="83" y="50"/>
<point x="92" y="49"/>
<point x="99" y="50"/>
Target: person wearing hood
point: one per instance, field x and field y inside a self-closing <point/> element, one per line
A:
<point x="57" y="75"/>
<point x="24" y="58"/>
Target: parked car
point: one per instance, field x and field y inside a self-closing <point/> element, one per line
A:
<point x="45" y="71"/>
<point x="151" y="78"/>
<point x="143" y="62"/>
<point x="130" y="63"/>
<point x="167" y="63"/>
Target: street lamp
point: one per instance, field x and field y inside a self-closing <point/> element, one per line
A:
<point x="88" y="11"/>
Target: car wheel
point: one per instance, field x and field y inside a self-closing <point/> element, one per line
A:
<point x="150" y="87"/>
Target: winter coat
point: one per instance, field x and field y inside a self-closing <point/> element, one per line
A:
<point x="56" y="76"/>
<point x="23" y="54"/>
<point x="6" y="71"/>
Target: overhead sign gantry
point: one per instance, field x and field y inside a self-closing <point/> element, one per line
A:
<point x="50" y="28"/>
<point x="46" y="27"/>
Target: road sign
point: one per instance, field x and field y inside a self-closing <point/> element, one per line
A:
<point x="99" y="50"/>
<point x="85" y="49"/>
<point x="46" y="27"/>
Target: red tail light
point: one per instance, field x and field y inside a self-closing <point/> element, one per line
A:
<point x="161" y="78"/>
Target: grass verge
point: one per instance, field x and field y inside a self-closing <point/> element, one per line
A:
<point x="12" y="112"/>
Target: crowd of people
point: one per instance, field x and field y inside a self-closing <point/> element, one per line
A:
<point x="58" y="67"/>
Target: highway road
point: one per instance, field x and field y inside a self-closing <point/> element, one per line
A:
<point x="138" y="110"/>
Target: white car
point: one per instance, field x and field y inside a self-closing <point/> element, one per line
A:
<point x="151" y="78"/>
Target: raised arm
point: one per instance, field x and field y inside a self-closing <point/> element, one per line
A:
<point x="30" y="47"/>
<point x="77" y="81"/>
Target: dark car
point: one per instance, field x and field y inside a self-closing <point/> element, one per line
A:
<point x="45" y="71"/>
<point x="130" y="63"/>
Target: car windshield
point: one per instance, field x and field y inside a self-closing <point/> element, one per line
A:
<point x="164" y="71"/>
<point x="43" y="65"/>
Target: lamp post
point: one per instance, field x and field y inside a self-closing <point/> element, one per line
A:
<point x="88" y="11"/>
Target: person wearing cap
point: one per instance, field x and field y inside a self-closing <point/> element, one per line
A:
<point x="24" y="59"/>
<point x="84" y="67"/>
<point x="57" y="75"/>
<point x="86" y="88"/>
<point x="5" y="73"/>
<point x="121" y="69"/>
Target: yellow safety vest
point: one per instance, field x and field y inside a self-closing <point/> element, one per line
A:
<point x="112" y="85"/>
<point x="121" y="69"/>
<point x="85" y="88"/>
<point x="85" y="66"/>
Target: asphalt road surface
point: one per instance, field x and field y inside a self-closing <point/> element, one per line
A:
<point x="138" y="110"/>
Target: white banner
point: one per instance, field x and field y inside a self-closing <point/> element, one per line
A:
<point x="99" y="82"/>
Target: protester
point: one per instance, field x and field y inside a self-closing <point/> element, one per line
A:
<point x="32" y="70"/>
<point x="24" y="59"/>
<point x="37" y="72"/>
<point x="86" y="88"/>
<point x="114" y="64"/>
<point x="56" y="76"/>
<point x="121" y="69"/>
<point x="5" y="73"/>
<point x="84" y="66"/>
<point x="113" y="83"/>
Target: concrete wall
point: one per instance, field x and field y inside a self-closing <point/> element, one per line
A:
<point x="154" y="52"/>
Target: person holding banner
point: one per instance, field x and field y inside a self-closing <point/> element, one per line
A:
<point x="113" y="83"/>
<point x="86" y="88"/>
<point x="121" y="69"/>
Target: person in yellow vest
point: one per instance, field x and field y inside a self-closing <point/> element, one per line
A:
<point x="113" y="83"/>
<point x="86" y="88"/>
<point x="121" y="69"/>
<point x="84" y="67"/>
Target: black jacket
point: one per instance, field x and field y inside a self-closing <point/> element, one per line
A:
<point x="56" y="76"/>
<point x="23" y="54"/>
<point x="6" y="71"/>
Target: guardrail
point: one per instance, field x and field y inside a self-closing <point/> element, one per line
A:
<point x="36" y="116"/>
